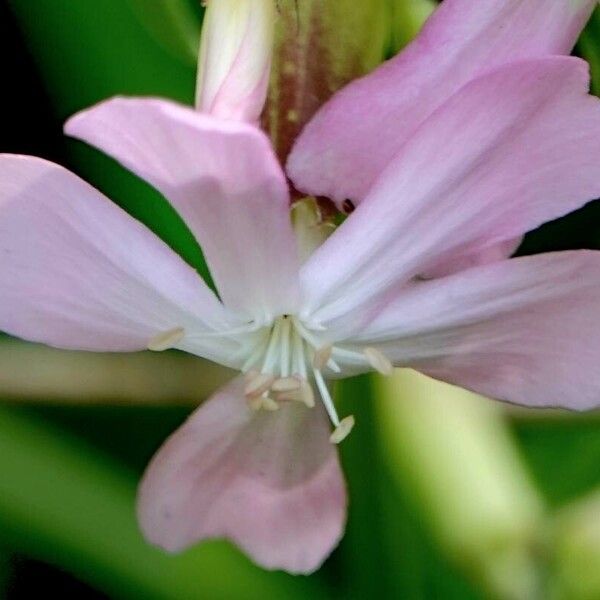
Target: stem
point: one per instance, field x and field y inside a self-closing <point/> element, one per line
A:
<point x="453" y="451"/>
<point x="34" y="373"/>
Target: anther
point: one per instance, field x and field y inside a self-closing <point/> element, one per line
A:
<point x="307" y="395"/>
<point x="304" y="394"/>
<point x="269" y="404"/>
<point x="379" y="361"/>
<point x="322" y="356"/>
<point x="263" y="401"/>
<point x="255" y="403"/>
<point x="286" y="384"/>
<point x="258" y="385"/>
<point x="340" y="433"/>
<point x="166" y="339"/>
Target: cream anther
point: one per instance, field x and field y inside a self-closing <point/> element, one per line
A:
<point x="307" y="394"/>
<point x="379" y="361"/>
<point x="269" y="404"/>
<point x="286" y="384"/>
<point x="166" y="339"/>
<point x="341" y="432"/>
<point x="258" y="385"/>
<point x="322" y="356"/>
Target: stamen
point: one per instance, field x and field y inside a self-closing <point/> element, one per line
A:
<point x="258" y="385"/>
<point x="166" y="339"/>
<point x="299" y="357"/>
<point x="315" y="343"/>
<point x="342" y="430"/>
<point x="269" y="404"/>
<point x="283" y="352"/>
<point x="303" y="394"/>
<point x="286" y="384"/>
<point x="326" y="397"/>
<point x="307" y="395"/>
<point x="255" y="355"/>
<point x="322" y="356"/>
<point x="263" y="401"/>
<point x="285" y="346"/>
<point x="272" y="353"/>
<point x="379" y="361"/>
<point x="255" y="403"/>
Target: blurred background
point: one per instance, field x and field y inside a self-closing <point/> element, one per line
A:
<point x="452" y="496"/>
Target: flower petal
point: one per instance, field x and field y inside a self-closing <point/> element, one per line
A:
<point x="77" y="272"/>
<point x="525" y="330"/>
<point x="225" y="182"/>
<point x="268" y="481"/>
<point x="515" y="148"/>
<point x="355" y="135"/>
<point x="465" y="260"/>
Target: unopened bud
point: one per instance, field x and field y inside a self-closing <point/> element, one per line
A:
<point x="235" y="58"/>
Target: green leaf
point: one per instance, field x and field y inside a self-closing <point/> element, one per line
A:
<point x="589" y="47"/>
<point x="563" y="453"/>
<point x="173" y="24"/>
<point x="387" y="551"/>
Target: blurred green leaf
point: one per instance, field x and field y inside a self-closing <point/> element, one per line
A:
<point x="67" y="505"/>
<point x="387" y="551"/>
<point x="575" y="535"/>
<point x="563" y="453"/>
<point x="5" y="572"/>
<point x="589" y="47"/>
<point x="361" y="551"/>
<point x="408" y="17"/>
<point x="173" y="23"/>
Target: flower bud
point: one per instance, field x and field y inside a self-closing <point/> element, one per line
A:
<point x="235" y="58"/>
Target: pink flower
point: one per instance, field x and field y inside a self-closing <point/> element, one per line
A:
<point x="454" y="149"/>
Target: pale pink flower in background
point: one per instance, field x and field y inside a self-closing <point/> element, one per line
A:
<point x="470" y="138"/>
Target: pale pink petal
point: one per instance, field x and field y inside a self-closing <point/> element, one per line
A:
<point x="465" y="260"/>
<point x="224" y="180"/>
<point x="268" y="481"/>
<point x="355" y="135"/>
<point x="525" y="330"/>
<point x="515" y="148"/>
<point x="78" y="272"/>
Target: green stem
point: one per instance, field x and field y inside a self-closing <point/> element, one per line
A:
<point x="173" y="24"/>
<point x="575" y="537"/>
<point x="453" y="451"/>
<point x="33" y="373"/>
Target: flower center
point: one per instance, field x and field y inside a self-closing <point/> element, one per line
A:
<point x="287" y="360"/>
<point x="284" y="361"/>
